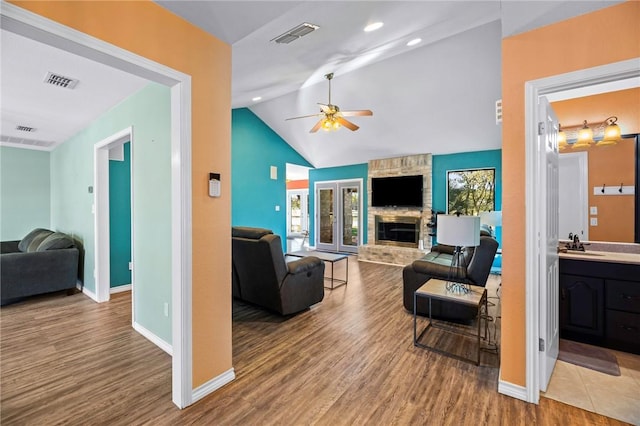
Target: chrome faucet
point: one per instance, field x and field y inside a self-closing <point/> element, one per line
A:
<point x="574" y="243"/>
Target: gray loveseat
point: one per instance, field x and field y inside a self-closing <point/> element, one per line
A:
<point x="42" y="262"/>
<point x="262" y="277"/>
<point x="436" y="264"/>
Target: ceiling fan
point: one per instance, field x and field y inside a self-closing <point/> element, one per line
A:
<point x="332" y="116"/>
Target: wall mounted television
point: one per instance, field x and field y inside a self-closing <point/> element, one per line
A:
<point x="397" y="191"/>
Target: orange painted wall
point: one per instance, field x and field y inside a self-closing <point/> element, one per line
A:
<point x="598" y="38"/>
<point x="149" y="30"/>
<point x="611" y="165"/>
<point x="298" y="184"/>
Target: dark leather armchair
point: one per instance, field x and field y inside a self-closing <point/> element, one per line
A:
<point x="435" y="264"/>
<point x="262" y="277"/>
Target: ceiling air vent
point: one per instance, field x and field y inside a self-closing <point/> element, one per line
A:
<point x="295" y="33"/>
<point x="60" y="80"/>
<point x="25" y="128"/>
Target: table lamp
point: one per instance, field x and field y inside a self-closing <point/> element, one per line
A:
<point x="460" y="232"/>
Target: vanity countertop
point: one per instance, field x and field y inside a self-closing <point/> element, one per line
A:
<point x="602" y="256"/>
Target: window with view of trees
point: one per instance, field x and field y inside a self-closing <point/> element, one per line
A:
<point x="470" y="192"/>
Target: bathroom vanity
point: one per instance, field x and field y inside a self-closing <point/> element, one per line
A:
<point x="600" y="299"/>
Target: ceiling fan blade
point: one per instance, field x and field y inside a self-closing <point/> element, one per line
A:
<point x="349" y="125"/>
<point x="361" y="112"/>
<point x="303" y="116"/>
<point x="317" y="126"/>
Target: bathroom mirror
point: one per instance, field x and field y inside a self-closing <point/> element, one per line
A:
<point x="612" y="182"/>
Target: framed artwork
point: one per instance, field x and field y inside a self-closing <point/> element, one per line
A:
<point x="472" y="191"/>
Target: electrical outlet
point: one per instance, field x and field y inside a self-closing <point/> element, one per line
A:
<point x="594" y="221"/>
<point x="166" y="309"/>
<point x="131" y="266"/>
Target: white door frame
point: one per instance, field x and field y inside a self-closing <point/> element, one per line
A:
<point x="101" y="217"/>
<point x="36" y="27"/>
<point x="533" y="89"/>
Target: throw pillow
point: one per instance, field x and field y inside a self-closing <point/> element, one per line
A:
<point x="56" y="241"/>
<point x="33" y="239"/>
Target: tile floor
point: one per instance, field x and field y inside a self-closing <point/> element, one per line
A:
<point x="617" y="397"/>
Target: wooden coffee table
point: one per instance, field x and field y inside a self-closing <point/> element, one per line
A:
<point x="327" y="257"/>
<point x="437" y="289"/>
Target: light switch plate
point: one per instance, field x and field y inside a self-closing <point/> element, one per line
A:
<point x="593" y="210"/>
<point x="594" y="221"/>
<point x="277" y="208"/>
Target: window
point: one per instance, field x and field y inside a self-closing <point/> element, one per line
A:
<point x="470" y="192"/>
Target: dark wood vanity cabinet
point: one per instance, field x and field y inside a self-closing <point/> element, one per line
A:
<point x="600" y="303"/>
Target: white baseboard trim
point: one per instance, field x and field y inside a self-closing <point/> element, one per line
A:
<point x="514" y="391"/>
<point x="87" y="292"/>
<point x="120" y="288"/>
<point x="153" y="338"/>
<point x="213" y="385"/>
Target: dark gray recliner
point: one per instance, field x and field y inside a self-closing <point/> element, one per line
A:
<point x="262" y="277"/>
<point x="435" y="264"/>
<point x="42" y="262"/>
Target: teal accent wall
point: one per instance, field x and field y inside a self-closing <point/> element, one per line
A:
<point x="25" y="186"/>
<point x="149" y="113"/>
<point x="120" y="218"/>
<point x="466" y="160"/>
<point x="355" y="171"/>
<point x="254" y="195"/>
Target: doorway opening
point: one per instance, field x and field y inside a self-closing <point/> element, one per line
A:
<point x="535" y="236"/>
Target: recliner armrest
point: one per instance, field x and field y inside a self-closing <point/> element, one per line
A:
<point x="9" y="246"/>
<point x="303" y="265"/>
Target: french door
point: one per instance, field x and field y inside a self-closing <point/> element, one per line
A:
<point x="338" y="208"/>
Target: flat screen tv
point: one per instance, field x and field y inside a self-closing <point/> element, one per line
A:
<point x="396" y="191"/>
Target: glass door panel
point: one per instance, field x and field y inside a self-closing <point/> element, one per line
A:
<point x="350" y="219"/>
<point x="326" y="216"/>
<point x="295" y="226"/>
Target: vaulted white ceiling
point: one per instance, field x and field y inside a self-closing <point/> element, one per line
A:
<point x="437" y="96"/>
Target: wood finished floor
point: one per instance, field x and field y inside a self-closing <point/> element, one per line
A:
<point x="348" y="360"/>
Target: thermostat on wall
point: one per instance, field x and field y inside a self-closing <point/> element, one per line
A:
<point x="214" y="184"/>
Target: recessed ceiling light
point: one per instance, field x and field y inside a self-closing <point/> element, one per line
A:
<point x="414" y="42"/>
<point x="373" y="27"/>
<point x="256" y="99"/>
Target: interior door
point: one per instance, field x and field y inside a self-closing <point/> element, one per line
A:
<point x="326" y="225"/>
<point x="349" y="207"/>
<point x="548" y="241"/>
<point x="573" y="195"/>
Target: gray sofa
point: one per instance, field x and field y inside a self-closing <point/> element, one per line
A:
<point x="42" y="262"/>
<point x="435" y="264"/>
<point x="262" y="277"/>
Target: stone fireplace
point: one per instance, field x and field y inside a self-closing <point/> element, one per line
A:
<point x="405" y="237"/>
<point x="400" y="231"/>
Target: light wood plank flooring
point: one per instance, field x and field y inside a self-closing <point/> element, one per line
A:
<point x="348" y="360"/>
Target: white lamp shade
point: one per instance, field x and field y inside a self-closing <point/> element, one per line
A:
<point x="462" y="231"/>
<point x="493" y="218"/>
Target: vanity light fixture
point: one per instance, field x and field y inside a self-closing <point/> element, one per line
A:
<point x="606" y="133"/>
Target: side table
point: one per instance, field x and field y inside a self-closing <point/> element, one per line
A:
<point x="436" y="289"/>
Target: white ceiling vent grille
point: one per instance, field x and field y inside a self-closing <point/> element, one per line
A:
<point x="26" y="143"/>
<point x="25" y="128"/>
<point x="295" y="33"/>
<point x="60" y="80"/>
